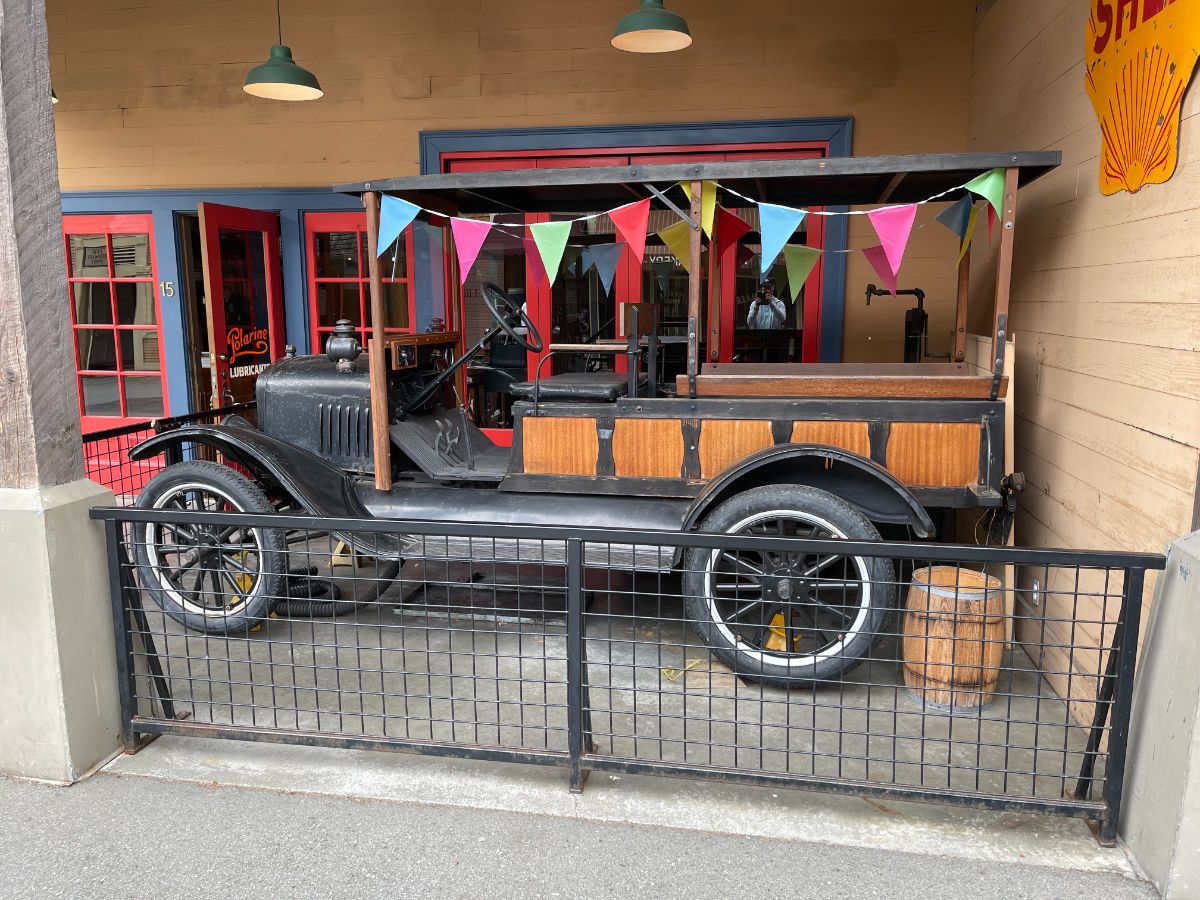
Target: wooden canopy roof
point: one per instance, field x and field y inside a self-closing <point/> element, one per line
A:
<point x="837" y="181"/>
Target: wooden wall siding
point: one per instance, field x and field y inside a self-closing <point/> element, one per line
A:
<point x="725" y="441"/>
<point x="559" y="446"/>
<point x="1107" y="426"/>
<point x="934" y="453"/>
<point x="151" y="93"/>
<point x="852" y="436"/>
<point x="651" y="448"/>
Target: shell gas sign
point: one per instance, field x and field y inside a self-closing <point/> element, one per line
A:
<point x="1140" y="55"/>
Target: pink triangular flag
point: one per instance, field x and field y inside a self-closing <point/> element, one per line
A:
<point x="533" y="259"/>
<point x="893" y="225"/>
<point x="631" y="222"/>
<point x="469" y="235"/>
<point x="877" y="257"/>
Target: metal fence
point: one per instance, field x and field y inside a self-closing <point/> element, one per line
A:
<point x="106" y="453"/>
<point x="580" y="648"/>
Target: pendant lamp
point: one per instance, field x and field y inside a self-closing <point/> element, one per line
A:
<point x="279" y="78"/>
<point x="652" y="29"/>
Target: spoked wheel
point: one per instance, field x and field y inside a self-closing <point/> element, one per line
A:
<point x="786" y="618"/>
<point x="216" y="579"/>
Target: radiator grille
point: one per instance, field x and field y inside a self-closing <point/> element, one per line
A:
<point x="345" y="430"/>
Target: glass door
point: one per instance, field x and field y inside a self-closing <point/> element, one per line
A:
<point x="243" y="297"/>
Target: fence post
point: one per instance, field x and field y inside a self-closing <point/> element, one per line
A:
<point x="125" y="670"/>
<point x="1118" y="738"/>
<point x="577" y="733"/>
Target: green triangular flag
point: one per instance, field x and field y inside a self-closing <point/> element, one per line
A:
<point x="990" y="186"/>
<point x="800" y="261"/>
<point x="551" y="240"/>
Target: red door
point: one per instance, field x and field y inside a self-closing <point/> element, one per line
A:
<point x="243" y="292"/>
<point x="114" y="319"/>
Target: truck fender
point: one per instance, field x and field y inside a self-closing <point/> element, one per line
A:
<point x="856" y="479"/>
<point x="320" y="488"/>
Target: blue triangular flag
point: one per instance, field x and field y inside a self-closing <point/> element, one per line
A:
<point x="957" y="216"/>
<point x="776" y="224"/>
<point x="605" y="258"/>
<point x="663" y="270"/>
<point x="394" y="216"/>
<point x="585" y="261"/>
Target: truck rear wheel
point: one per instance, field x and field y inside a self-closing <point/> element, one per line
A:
<point x="216" y="579"/>
<point x="788" y="618"/>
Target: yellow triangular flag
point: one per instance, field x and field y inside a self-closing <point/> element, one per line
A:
<point x="678" y="238"/>
<point x="969" y="233"/>
<point x="708" y="203"/>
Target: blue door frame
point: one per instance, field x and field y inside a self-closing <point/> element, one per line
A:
<point x="165" y="205"/>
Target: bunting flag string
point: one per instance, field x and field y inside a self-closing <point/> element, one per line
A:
<point x="394" y="216"/>
<point x="550" y="238"/>
<point x="800" y="262"/>
<point x="678" y="238"/>
<point x="731" y="228"/>
<point x="708" y="203"/>
<point x="663" y="269"/>
<point x="894" y="225"/>
<point x="631" y="222"/>
<point x="776" y="224"/>
<point x="605" y="258"/>
<point x="469" y="235"/>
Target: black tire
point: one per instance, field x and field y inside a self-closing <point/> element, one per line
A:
<point x="760" y="613"/>
<point x="219" y="581"/>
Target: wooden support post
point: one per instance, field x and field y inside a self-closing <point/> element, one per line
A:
<point x="960" y="309"/>
<point x="694" y="275"/>
<point x="1008" y="226"/>
<point x="380" y="411"/>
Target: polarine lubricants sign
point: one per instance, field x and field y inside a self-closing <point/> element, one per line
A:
<point x="1140" y="55"/>
<point x="248" y="350"/>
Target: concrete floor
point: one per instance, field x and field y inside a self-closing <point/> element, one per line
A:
<point x="480" y="658"/>
<point x="202" y="821"/>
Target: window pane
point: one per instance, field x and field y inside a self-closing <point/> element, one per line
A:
<point x="143" y="397"/>
<point x="337" y="301"/>
<point x="93" y="303"/>
<point x="131" y="255"/>
<point x="97" y="349"/>
<point x="89" y="256"/>
<point x="336" y="254"/>
<point x="139" y="350"/>
<point x="393" y="262"/>
<point x="135" y="303"/>
<point x="100" y="397"/>
<point x="395" y="305"/>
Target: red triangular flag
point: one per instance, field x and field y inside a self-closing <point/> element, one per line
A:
<point x="991" y="221"/>
<point x="731" y="228"/>
<point x="533" y="259"/>
<point x="744" y="255"/>
<point x="631" y="222"/>
<point x="878" y="259"/>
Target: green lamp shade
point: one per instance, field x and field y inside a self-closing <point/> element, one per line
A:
<point x="652" y="29"/>
<point x="279" y="78"/>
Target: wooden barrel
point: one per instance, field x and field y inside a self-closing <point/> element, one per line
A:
<point x="953" y="637"/>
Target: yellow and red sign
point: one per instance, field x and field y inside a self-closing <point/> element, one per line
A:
<point x="1140" y="55"/>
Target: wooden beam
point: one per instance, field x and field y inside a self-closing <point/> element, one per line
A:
<point x="39" y="407"/>
<point x="1008" y="226"/>
<point x="891" y="187"/>
<point x="380" y="410"/>
<point x="960" y="308"/>
<point x="694" y="275"/>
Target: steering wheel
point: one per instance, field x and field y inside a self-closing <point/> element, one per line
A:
<point x="493" y="298"/>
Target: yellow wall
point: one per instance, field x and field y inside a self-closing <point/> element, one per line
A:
<point x="151" y="92"/>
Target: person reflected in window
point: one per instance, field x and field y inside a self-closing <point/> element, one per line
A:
<point x="767" y="311"/>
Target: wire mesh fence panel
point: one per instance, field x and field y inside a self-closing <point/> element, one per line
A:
<point x="106" y="453"/>
<point x="992" y="676"/>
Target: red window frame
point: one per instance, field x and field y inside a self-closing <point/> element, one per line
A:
<point x="326" y="222"/>
<point x="109" y="225"/>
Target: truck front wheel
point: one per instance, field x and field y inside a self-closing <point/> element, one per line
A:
<point x="789" y="617"/>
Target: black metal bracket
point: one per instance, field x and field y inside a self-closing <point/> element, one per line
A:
<point x="998" y="367"/>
